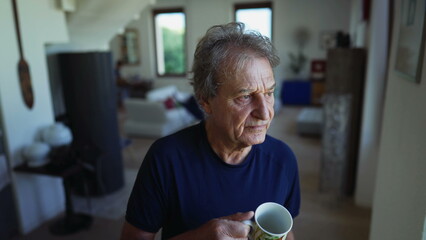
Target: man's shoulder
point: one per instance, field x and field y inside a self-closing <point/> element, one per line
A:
<point x="274" y="144"/>
<point x="179" y="139"/>
<point x="273" y="148"/>
<point x="175" y="149"/>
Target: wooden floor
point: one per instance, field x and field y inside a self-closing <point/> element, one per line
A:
<point x="321" y="217"/>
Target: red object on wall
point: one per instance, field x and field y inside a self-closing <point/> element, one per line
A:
<point x="318" y="67"/>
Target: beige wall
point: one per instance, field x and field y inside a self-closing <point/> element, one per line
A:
<point x="375" y="84"/>
<point x="38" y="198"/>
<point x="400" y="198"/>
<point x="93" y="23"/>
<point x="317" y="16"/>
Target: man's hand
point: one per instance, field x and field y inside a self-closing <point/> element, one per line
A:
<point x="224" y="228"/>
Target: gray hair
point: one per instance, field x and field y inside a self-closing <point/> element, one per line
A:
<point x="223" y="52"/>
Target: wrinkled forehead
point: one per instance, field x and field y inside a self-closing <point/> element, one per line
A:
<point x="255" y="75"/>
<point x="236" y="64"/>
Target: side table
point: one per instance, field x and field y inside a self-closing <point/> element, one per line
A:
<point x="72" y="222"/>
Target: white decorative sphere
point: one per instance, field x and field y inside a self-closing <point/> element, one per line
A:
<point x="36" y="154"/>
<point x="57" y="135"/>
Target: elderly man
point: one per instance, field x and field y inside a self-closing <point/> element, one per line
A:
<point x="201" y="182"/>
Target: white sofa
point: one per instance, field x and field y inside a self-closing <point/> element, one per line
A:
<point x="150" y="118"/>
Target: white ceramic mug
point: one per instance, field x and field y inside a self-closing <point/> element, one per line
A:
<point x="271" y="221"/>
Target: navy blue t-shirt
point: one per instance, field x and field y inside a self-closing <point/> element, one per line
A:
<point x="183" y="184"/>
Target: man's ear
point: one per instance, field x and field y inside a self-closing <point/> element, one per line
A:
<point x="205" y="104"/>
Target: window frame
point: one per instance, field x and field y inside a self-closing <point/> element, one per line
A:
<point x="239" y="6"/>
<point x="155" y="12"/>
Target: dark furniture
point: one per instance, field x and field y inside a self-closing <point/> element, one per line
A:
<point x="139" y="89"/>
<point x="8" y="217"/>
<point x="342" y="119"/>
<point x="71" y="222"/>
<point x="89" y="91"/>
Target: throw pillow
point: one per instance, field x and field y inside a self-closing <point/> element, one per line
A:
<point x="192" y="106"/>
<point x="169" y="103"/>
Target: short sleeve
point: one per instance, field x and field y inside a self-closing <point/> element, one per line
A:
<point x="147" y="208"/>
<point x="292" y="202"/>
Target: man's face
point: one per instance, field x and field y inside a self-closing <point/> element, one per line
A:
<point x="244" y="107"/>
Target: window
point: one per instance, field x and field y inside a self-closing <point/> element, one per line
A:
<point x="170" y="41"/>
<point x="256" y="16"/>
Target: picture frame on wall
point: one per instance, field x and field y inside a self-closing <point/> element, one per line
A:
<point x="411" y="38"/>
<point x="129" y="47"/>
<point x="327" y="39"/>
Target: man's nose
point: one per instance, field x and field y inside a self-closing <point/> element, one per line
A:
<point x="261" y="108"/>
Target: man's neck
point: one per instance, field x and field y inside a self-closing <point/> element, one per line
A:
<point x="230" y="153"/>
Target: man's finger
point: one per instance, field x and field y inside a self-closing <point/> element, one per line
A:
<point x="236" y="229"/>
<point x="239" y="216"/>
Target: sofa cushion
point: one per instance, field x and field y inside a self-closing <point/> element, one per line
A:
<point x="161" y="94"/>
<point x="145" y="118"/>
<point x="169" y="103"/>
<point x="191" y="105"/>
<point x="144" y="111"/>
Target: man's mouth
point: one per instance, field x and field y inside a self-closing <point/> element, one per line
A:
<point x="256" y="127"/>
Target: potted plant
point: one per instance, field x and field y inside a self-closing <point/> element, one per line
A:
<point x="298" y="60"/>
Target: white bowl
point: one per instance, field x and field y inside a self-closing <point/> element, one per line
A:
<point x="36" y="154"/>
<point x="57" y="135"/>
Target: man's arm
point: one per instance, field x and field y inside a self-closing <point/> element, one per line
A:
<point x="229" y="227"/>
<point x="131" y="232"/>
<point x="290" y="236"/>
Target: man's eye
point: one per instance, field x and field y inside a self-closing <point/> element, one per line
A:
<point x="270" y="94"/>
<point x="244" y="98"/>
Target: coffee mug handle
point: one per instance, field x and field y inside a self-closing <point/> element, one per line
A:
<point x="249" y="222"/>
<point x="252" y="226"/>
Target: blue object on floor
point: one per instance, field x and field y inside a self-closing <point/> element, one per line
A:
<point x="296" y="92"/>
<point x="125" y="142"/>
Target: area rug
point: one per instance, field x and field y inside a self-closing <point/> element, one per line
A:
<point x="111" y="206"/>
